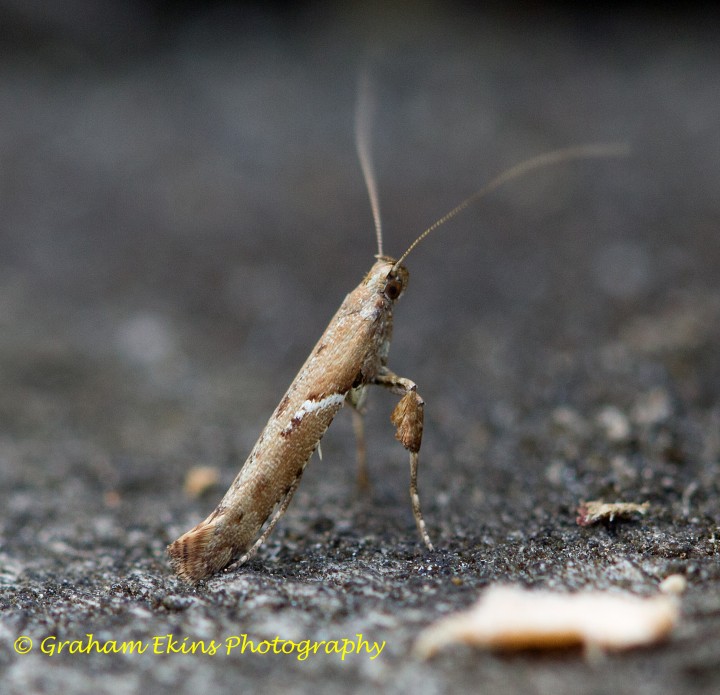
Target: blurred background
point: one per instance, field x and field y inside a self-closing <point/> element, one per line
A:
<point x="182" y="212"/>
<point x="181" y="201"/>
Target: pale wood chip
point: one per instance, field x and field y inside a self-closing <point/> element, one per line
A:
<point x="514" y="618"/>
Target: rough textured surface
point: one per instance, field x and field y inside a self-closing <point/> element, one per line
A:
<point x="181" y="214"/>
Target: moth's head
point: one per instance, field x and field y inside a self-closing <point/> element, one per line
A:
<point x="390" y="278"/>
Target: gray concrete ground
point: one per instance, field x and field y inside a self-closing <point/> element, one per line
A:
<point x="182" y="212"/>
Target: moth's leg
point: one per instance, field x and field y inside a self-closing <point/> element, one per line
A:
<point x="356" y="398"/>
<point x="363" y="479"/>
<point x="408" y="420"/>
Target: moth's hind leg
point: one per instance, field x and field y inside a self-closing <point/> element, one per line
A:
<point x="356" y="398"/>
<point x="408" y="419"/>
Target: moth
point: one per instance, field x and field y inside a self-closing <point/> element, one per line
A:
<point x="351" y="355"/>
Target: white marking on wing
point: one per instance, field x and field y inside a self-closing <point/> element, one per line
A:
<point x="310" y="406"/>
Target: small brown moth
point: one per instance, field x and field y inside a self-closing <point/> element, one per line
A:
<point x="351" y="355"/>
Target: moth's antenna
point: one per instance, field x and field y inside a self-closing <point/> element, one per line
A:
<point x="547" y="159"/>
<point x="363" y="121"/>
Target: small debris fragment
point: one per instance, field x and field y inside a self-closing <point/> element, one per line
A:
<point x="615" y="423"/>
<point x="111" y="498"/>
<point x="673" y="585"/>
<point x="200" y="479"/>
<point x="513" y="618"/>
<point x="596" y="510"/>
<point x="689" y="491"/>
<point x="652" y="408"/>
